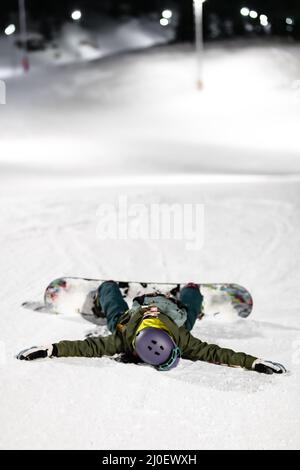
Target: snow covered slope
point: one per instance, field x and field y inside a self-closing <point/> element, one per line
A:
<point x="83" y="136"/>
<point x="141" y="113"/>
<point x="77" y="43"/>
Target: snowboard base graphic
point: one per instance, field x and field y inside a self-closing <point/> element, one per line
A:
<point x="71" y="295"/>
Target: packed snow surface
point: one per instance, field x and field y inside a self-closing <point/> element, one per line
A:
<point x="80" y="136"/>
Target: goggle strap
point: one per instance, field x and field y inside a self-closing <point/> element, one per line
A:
<point x="174" y="355"/>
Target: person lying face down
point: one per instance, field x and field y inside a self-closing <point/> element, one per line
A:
<point x="155" y="331"/>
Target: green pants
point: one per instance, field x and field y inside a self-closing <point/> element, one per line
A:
<point x="113" y="305"/>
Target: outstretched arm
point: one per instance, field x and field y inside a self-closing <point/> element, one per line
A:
<point x="90" y="347"/>
<point x="194" y="349"/>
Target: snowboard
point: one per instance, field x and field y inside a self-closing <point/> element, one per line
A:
<point x="71" y="295"/>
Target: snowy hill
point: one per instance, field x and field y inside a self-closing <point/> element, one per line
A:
<point x="246" y="121"/>
<point x="81" y="135"/>
<point x="75" y="43"/>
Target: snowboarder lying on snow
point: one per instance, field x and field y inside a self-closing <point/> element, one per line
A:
<point x="155" y="331"/>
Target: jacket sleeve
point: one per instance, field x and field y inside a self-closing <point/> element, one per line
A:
<point x="90" y="347"/>
<point x="196" y="350"/>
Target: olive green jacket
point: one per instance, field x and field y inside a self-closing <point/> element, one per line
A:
<point x="121" y="342"/>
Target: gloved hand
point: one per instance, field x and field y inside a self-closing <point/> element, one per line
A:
<point x="36" y="352"/>
<point x="268" y="367"/>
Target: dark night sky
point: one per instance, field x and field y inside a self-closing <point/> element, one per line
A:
<point x="220" y="6"/>
<point x="59" y="10"/>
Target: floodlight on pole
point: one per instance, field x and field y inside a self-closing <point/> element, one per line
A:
<point x="10" y="30"/>
<point x="164" y="22"/>
<point x="253" y="14"/>
<point x="76" y="15"/>
<point x="167" y="14"/>
<point x="198" y="13"/>
<point x="23" y="33"/>
<point x="245" y="11"/>
<point x="264" y="21"/>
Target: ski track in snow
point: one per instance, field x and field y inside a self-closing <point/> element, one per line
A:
<point x="48" y="214"/>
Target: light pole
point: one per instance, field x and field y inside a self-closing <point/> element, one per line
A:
<point x="198" y="13"/>
<point x="10" y="31"/>
<point x="23" y="33"/>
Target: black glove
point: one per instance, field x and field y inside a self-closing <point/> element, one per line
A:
<point x="268" y="367"/>
<point x="36" y="352"/>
